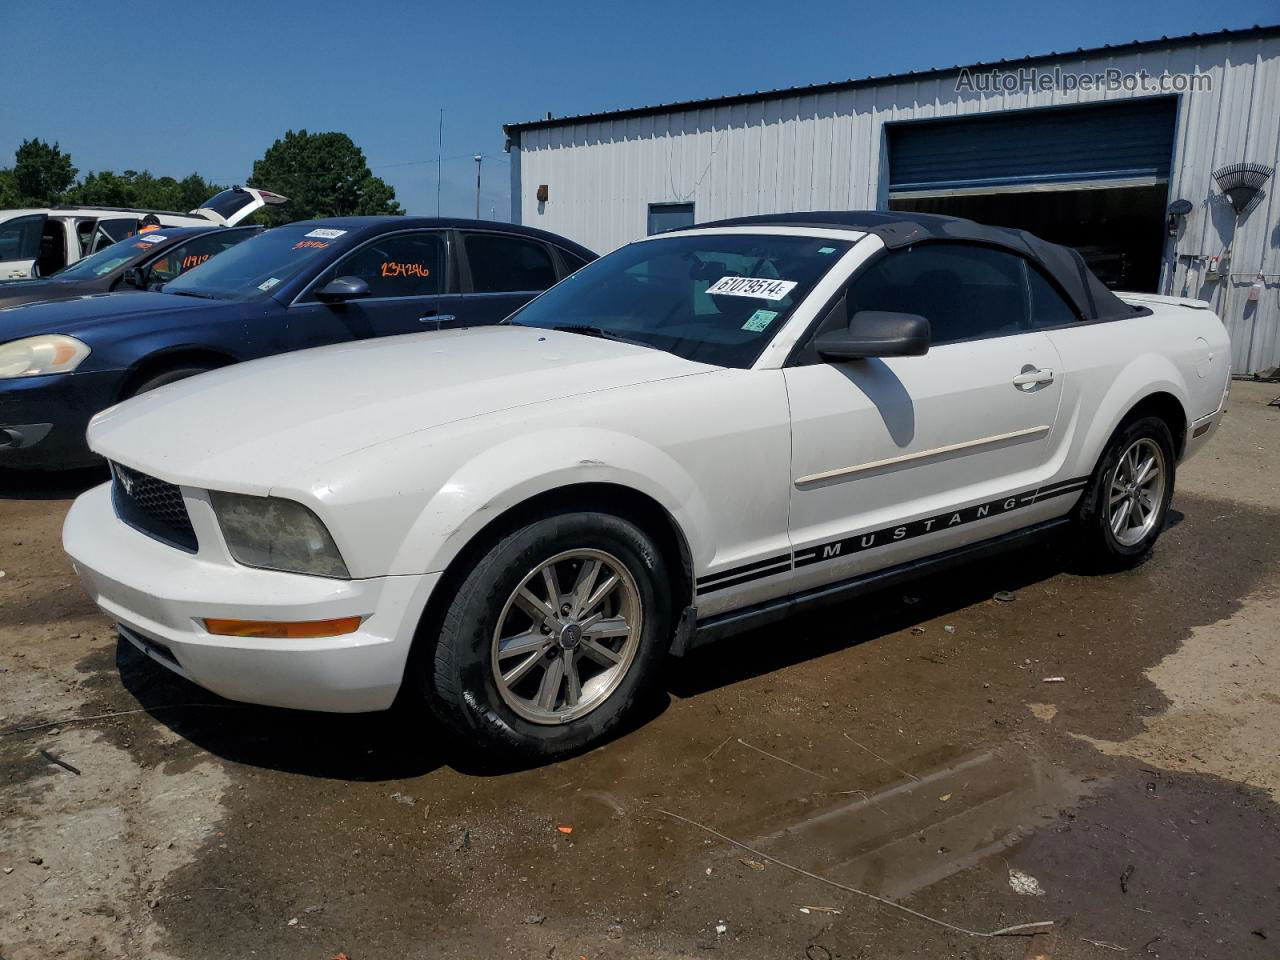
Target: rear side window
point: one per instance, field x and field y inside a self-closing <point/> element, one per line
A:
<point x="965" y="292"/>
<point x="400" y="265"/>
<point x="189" y="255"/>
<point x="119" y="229"/>
<point x="572" y="262"/>
<point x="1048" y="309"/>
<point x="501" y="264"/>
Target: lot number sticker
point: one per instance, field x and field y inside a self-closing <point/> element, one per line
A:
<point x="762" y="288"/>
<point x="325" y="233"/>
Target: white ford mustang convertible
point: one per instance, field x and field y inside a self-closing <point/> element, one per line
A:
<point x="700" y="433"/>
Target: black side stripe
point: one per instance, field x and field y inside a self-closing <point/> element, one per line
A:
<point x="874" y="539"/>
<point x="735" y="572"/>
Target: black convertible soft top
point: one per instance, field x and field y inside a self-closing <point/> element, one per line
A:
<point x="902" y="229"/>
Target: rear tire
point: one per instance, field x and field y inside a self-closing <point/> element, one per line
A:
<point x="1127" y="501"/>
<point x="167" y="377"/>
<point x="552" y="638"/>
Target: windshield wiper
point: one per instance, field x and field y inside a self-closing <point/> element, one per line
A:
<point x="192" y="293"/>
<point x="601" y="333"/>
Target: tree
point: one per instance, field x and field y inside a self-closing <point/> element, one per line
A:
<point x="42" y="172"/>
<point x="8" y="191"/>
<point x="133" y="189"/>
<point x="323" y="175"/>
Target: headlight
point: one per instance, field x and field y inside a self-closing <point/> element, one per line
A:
<point x="37" y="356"/>
<point x="277" y="534"/>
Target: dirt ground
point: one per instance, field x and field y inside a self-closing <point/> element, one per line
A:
<point x="909" y="746"/>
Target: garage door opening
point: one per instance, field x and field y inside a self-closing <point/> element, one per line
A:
<point x="1091" y="177"/>
<point x="1119" y="230"/>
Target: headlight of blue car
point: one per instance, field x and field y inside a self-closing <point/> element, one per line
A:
<point x="41" y="356"/>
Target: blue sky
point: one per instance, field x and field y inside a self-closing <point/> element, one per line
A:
<point x="176" y="89"/>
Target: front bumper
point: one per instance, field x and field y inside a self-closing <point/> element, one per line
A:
<point x="160" y="597"/>
<point x="47" y="417"/>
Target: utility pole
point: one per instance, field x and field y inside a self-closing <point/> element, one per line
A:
<point x="479" y="158"/>
<point x="439" y="159"/>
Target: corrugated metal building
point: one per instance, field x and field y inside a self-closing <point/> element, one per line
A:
<point x="1096" y="168"/>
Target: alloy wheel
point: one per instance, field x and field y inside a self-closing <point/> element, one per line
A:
<point x="567" y="636"/>
<point x="1136" y="492"/>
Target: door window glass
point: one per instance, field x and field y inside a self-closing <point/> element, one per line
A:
<point x="965" y="292"/>
<point x="400" y="265"/>
<point x="20" y="238"/>
<point x="84" y="233"/>
<point x="503" y="264"/>
<point x="1048" y="309"/>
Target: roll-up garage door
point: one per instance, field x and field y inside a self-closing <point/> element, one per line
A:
<point x="1129" y="141"/>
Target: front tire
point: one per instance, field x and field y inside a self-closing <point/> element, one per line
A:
<point x="553" y="637"/>
<point x="1127" y="501"/>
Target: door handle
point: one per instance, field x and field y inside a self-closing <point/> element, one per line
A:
<point x="1030" y="376"/>
<point x="439" y="319"/>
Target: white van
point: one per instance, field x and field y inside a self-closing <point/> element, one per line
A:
<point x="38" y="242"/>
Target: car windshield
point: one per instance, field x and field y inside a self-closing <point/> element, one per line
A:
<point x="252" y="269"/>
<point x="122" y="254"/>
<point x="713" y="298"/>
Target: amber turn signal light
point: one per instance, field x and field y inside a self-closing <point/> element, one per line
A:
<point x="282" y="629"/>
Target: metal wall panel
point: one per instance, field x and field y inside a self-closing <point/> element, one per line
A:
<point x="827" y="150"/>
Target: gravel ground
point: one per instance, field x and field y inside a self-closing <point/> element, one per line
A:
<point x="906" y="746"/>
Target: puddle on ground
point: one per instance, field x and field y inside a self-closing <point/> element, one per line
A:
<point x="915" y="832"/>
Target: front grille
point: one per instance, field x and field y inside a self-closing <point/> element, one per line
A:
<point x="153" y="507"/>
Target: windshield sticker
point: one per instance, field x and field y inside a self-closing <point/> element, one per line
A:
<point x="759" y="320"/>
<point x="151" y="237"/>
<point x="324" y="233"/>
<point x="825" y="250"/>
<point x="311" y="244"/>
<point x="762" y="288"/>
<point x="393" y="269"/>
<point x="268" y="283"/>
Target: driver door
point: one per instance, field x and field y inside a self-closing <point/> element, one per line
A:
<point x="897" y="458"/>
<point x="409" y="291"/>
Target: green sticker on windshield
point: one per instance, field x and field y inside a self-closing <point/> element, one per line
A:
<point x="759" y="320"/>
<point x="827" y="250"/>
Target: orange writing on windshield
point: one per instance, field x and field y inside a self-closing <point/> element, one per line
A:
<point x="310" y="245"/>
<point x="194" y="260"/>
<point x="392" y="268"/>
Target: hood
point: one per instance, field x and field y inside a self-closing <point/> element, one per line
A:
<point x="16" y="293"/>
<point x="253" y="426"/>
<point x="82" y="314"/>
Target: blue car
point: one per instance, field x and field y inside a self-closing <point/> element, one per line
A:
<point x="302" y="285"/>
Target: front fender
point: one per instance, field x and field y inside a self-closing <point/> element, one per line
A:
<point x="511" y="472"/>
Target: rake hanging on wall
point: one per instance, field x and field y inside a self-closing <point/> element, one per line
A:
<point x="1242" y="184"/>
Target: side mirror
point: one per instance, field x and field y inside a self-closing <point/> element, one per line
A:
<point x="134" y="277"/>
<point x="876" y="333"/>
<point x="342" y="289"/>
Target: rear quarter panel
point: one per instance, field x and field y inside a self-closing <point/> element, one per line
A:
<point x="1110" y="367"/>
